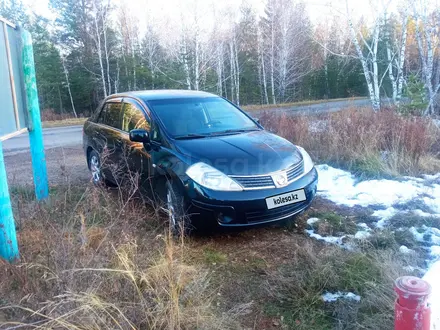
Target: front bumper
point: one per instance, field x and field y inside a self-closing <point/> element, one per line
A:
<point x="247" y="208"/>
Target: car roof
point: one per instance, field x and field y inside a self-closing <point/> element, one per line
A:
<point x="163" y="94"/>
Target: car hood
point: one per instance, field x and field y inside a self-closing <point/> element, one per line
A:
<point x="252" y="153"/>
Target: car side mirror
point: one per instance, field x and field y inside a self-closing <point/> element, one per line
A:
<point x="257" y="120"/>
<point x="139" y="135"/>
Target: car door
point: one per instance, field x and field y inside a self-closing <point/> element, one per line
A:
<point x="138" y="155"/>
<point x="109" y="139"/>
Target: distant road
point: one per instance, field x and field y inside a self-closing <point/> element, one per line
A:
<point x="53" y="137"/>
<point x="330" y="106"/>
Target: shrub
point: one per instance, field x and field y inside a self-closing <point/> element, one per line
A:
<point x="369" y="143"/>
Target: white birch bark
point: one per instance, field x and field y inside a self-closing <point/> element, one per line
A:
<point x="117" y="76"/>
<point x="99" y="50"/>
<point x="197" y="60"/>
<point x="272" y="61"/>
<point x="219" y="68"/>
<point x="232" y="68"/>
<point x="371" y="78"/>
<point x="237" y="71"/>
<point x="262" y="66"/>
<point x="184" y="55"/>
<point x="106" y="52"/>
<point x="427" y="48"/>
<point x="396" y="58"/>
<point x="66" y="74"/>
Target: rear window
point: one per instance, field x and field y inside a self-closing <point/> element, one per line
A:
<point x="111" y="115"/>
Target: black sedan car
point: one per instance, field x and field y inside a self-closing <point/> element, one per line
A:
<point x="203" y="157"/>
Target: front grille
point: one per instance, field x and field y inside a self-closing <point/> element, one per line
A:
<point x="295" y="171"/>
<point x="255" y="182"/>
<point x="274" y="214"/>
<point x="265" y="181"/>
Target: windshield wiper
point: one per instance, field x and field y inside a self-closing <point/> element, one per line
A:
<point x="190" y="136"/>
<point x="236" y="131"/>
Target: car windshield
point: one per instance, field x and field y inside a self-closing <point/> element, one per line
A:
<point x="201" y="117"/>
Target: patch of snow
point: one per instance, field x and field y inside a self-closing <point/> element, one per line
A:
<point x="426" y="234"/>
<point x="384" y="216"/>
<point x="362" y="234"/>
<point x="423" y="214"/>
<point x="431" y="177"/>
<point x="391" y="196"/>
<point x="403" y="249"/>
<point x="341" y="187"/>
<point x="331" y="297"/>
<point x="419" y="237"/>
<point x="435" y="251"/>
<point x="329" y="239"/>
<point x="432" y="277"/>
<point x="433" y="203"/>
<point x="363" y="225"/>
<point x="311" y="221"/>
<point x="412" y="269"/>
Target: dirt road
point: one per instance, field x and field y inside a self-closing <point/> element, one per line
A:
<point x="64" y="164"/>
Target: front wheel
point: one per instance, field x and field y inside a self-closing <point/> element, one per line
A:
<point x="175" y="206"/>
<point x="95" y="167"/>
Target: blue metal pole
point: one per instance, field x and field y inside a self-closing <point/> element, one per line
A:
<point x="8" y="237"/>
<point x="34" y="125"/>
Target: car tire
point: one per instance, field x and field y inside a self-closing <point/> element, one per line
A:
<point x="94" y="162"/>
<point x="179" y="222"/>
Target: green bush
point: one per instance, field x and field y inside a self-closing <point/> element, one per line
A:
<point x="415" y="91"/>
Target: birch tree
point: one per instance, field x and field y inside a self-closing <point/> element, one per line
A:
<point x="368" y="60"/>
<point x="427" y="36"/>
<point x="97" y="35"/>
<point x="66" y="74"/>
<point x="396" y="51"/>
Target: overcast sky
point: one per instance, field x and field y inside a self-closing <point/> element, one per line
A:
<point x="169" y="10"/>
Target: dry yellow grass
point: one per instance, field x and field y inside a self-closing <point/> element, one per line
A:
<point x="368" y="143"/>
<point x="93" y="259"/>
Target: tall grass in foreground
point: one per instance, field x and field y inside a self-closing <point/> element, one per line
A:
<point x="91" y="260"/>
<point x="373" y="144"/>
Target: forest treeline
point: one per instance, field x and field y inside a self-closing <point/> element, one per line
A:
<point x="94" y="48"/>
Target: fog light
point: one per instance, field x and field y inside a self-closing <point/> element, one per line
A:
<point x="224" y="218"/>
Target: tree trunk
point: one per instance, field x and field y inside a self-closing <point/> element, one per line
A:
<point x="272" y="62"/>
<point x="101" y="64"/>
<point x="373" y="85"/>
<point x="185" y="62"/>
<point x="66" y="73"/>
<point x="197" y="63"/>
<point x="220" y="69"/>
<point x="237" y="74"/>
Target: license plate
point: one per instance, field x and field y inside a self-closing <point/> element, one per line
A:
<point x="286" y="199"/>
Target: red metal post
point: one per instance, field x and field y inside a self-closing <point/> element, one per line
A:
<point x="412" y="311"/>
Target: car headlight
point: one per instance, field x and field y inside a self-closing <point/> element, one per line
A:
<point x="308" y="162"/>
<point x="212" y="178"/>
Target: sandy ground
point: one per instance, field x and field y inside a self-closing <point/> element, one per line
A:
<point x="64" y="164"/>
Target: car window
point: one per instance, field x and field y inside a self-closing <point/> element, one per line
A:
<point x="133" y="118"/>
<point x="111" y="115"/>
<point x="200" y="116"/>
